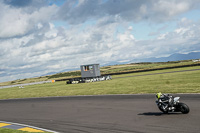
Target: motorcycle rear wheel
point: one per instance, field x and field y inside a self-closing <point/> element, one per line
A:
<point x="183" y="108"/>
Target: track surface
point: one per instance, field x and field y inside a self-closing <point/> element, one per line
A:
<point x="102" y="114"/>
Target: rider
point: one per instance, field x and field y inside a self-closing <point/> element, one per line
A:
<point x="165" y="98"/>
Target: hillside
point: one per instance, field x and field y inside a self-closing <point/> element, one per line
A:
<point x="173" y="57"/>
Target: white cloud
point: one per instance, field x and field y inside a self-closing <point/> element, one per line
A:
<point x="162" y="36"/>
<point x="32" y="45"/>
<point x="39" y="25"/>
<point x="130" y="28"/>
<point x="128" y="10"/>
<point x="172" y="8"/>
<point x="16" y="22"/>
<point x="181" y="30"/>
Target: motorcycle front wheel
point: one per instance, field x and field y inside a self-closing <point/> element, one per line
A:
<point x="163" y="110"/>
<point x="183" y="108"/>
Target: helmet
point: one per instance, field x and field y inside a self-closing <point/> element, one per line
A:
<point x="158" y="95"/>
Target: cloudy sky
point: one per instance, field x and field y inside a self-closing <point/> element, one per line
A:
<point x="42" y="36"/>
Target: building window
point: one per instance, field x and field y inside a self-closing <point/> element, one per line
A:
<point x="90" y="67"/>
<point x="87" y="68"/>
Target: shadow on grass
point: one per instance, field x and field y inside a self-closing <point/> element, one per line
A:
<point x="159" y="113"/>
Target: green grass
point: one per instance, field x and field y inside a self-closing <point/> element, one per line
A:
<point x="104" y="70"/>
<point x="6" y="130"/>
<point x="179" y="82"/>
<point x="143" y="66"/>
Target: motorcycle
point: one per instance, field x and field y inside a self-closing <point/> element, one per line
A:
<point x="171" y="104"/>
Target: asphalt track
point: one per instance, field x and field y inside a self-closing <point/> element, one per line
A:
<point x="102" y="114"/>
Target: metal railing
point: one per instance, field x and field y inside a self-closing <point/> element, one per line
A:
<point x="26" y="84"/>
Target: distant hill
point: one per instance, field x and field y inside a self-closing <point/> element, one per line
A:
<point x="173" y="57"/>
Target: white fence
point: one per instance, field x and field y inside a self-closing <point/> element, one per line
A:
<point x="21" y="85"/>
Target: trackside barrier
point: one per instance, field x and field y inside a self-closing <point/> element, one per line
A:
<point x="22" y="85"/>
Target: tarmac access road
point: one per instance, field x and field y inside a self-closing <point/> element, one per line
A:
<point x="102" y="114"/>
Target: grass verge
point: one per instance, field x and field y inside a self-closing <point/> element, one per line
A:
<point x="135" y="83"/>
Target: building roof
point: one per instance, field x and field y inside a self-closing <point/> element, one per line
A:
<point x="89" y="64"/>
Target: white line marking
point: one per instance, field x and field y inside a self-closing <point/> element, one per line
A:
<point x="46" y="130"/>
